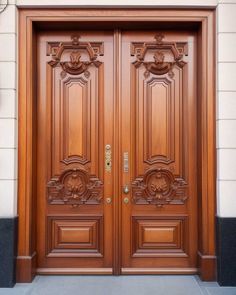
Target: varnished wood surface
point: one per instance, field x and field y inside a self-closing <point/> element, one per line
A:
<point x="159" y="132"/>
<point x="119" y="110"/>
<point x="75" y="123"/>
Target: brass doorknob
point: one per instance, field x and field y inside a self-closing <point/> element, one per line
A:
<point x="108" y="200"/>
<point x="126" y="200"/>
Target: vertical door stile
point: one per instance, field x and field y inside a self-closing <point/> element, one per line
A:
<point x="117" y="152"/>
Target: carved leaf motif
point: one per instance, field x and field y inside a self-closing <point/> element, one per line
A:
<point x="74" y="187"/>
<point x="75" y="66"/>
<point x="159" y="187"/>
<point x="158" y="66"/>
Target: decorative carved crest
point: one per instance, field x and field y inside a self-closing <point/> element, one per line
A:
<point x="159" y="187"/>
<point x="74" y="187"/>
<point x="158" y="66"/>
<point x="75" y="66"/>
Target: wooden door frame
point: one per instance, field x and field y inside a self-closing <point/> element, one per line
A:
<point x="28" y="18"/>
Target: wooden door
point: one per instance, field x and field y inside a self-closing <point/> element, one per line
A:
<point x="74" y="151"/>
<point x="158" y="144"/>
<point x="100" y="92"/>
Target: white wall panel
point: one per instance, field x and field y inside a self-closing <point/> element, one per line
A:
<point x="227" y="47"/>
<point x="8" y="20"/>
<point x="226" y="105"/>
<point x="8" y="75"/>
<point x="7" y="47"/>
<point x="7" y="133"/>
<point x="226" y="17"/>
<point x="226" y="133"/>
<point x="8" y="198"/>
<point x="8" y="164"/>
<point x="226" y="164"/>
<point x="226" y="199"/>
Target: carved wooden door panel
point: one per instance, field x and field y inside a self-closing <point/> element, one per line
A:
<point x="74" y="222"/>
<point x="158" y="144"/>
<point x="132" y="94"/>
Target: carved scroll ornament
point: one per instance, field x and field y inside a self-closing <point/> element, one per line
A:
<point x="159" y="66"/>
<point x="159" y="187"/>
<point x="74" y="187"/>
<point x="75" y="66"/>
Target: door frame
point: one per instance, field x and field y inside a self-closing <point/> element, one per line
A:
<point x="29" y="19"/>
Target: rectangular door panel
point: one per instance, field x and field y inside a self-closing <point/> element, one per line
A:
<point x="73" y="103"/>
<point x="159" y="214"/>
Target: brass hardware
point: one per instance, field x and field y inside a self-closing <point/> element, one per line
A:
<point x="108" y="158"/>
<point x="126" y="162"/>
<point x="126" y="200"/>
<point x="108" y="200"/>
<point x="126" y="189"/>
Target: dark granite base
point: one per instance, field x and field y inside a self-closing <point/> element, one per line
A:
<point x="226" y="248"/>
<point x="8" y="251"/>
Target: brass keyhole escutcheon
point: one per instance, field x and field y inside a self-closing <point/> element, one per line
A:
<point x="126" y="200"/>
<point x="108" y="158"/>
<point x="108" y="200"/>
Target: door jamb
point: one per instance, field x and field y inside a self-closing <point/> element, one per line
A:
<point x="27" y="256"/>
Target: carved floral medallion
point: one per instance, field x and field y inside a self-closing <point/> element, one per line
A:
<point x="75" y="66"/>
<point x="159" y="66"/>
<point x="74" y="187"/>
<point x="159" y="187"/>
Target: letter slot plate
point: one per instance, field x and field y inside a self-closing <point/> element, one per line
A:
<point x="126" y="162"/>
<point x="108" y="158"/>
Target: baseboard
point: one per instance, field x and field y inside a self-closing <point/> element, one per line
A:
<point x="226" y="251"/>
<point x="26" y="268"/>
<point x="159" y="271"/>
<point x="74" y="271"/>
<point x="207" y="267"/>
<point x="8" y="251"/>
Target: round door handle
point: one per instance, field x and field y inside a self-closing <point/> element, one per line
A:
<point x="126" y="200"/>
<point x="108" y="200"/>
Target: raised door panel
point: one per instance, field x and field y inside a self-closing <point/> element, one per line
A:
<point x="76" y="102"/>
<point x="159" y="135"/>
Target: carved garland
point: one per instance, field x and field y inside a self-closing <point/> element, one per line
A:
<point x="159" y="66"/>
<point x="159" y="187"/>
<point x="74" y="187"/>
<point x="75" y="66"/>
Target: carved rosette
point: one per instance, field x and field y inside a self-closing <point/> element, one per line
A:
<point x="159" y="66"/>
<point x="74" y="187"/>
<point x="75" y="66"/>
<point x="159" y="187"/>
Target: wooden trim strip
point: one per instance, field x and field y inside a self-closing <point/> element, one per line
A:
<point x="159" y="271"/>
<point x="74" y="271"/>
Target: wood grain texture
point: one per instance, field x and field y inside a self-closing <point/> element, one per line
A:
<point x="73" y="106"/>
<point x="165" y="147"/>
<point x="160" y="106"/>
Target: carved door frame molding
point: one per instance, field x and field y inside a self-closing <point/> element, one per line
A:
<point x="205" y="20"/>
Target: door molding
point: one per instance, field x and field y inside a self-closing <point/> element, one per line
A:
<point x="29" y="19"/>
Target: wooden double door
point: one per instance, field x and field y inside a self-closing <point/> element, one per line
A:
<point x="116" y="151"/>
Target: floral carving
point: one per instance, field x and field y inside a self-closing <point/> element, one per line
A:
<point x="74" y="187"/>
<point x="159" y="187"/>
<point x="75" y="66"/>
<point x="158" y="66"/>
